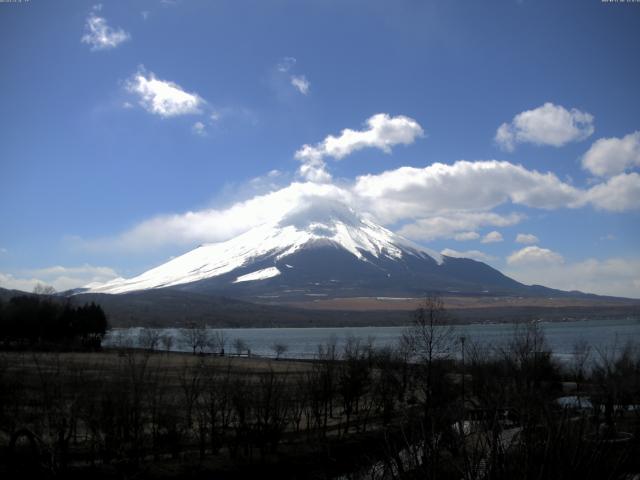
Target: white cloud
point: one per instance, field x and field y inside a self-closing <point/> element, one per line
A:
<point x="466" y="236"/>
<point x="301" y="83"/>
<point x="315" y="170"/>
<point x="546" y="125"/>
<point x="473" y="254"/>
<point x="199" y="129"/>
<point x="209" y="225"/>
<point x="410" y="192"/>
<point x="438" y="201"/>
<point x="611" y="276"/>
<point x="492" y="237"/>
<point x="162" y="97"/>
<point x="534" y="255"/>
<point x="526" y="238"/>
<point x="284" y="68"/>
<point x="449" y="225"/>
<point x="618" y="194"/>
<point x="99" y="34"/>
<point x="59" y="277"/>
<point x="145" y="14"/>
<point x="383" y="132"/>
<point x="213" y="225"/>
<point x="611" y="156"/>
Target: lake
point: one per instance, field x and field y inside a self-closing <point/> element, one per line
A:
<point x="601" y="334"/>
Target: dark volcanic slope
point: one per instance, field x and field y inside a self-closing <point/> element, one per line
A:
<point x="327" y="270"/>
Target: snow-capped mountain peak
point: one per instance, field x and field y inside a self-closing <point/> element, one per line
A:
<point x="310" y="225"/>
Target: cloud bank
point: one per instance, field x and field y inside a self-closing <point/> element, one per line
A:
<point x="437" y="201"/>
<point x="59" y="277"/>
<point x="612" y="276"/>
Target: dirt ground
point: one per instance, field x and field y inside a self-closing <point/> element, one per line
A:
<point x="452" y="302"/>
<point x="30" y="363"/>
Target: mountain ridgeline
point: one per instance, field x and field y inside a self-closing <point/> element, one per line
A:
<point x="323" y="249"/>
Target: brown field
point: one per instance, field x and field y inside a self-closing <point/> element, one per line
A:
<point x="172" y="362"/>
<point x="78" y="412"/>
<point x="456" y="302"/>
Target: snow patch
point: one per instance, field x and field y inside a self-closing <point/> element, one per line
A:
<point x="258" y="275"/>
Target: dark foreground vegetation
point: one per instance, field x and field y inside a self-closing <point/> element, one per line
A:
<point x="43" y="322"/>
<point x="434" y="407"/>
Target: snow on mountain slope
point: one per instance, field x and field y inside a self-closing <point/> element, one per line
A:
<point x="302" y="227"/>
<point x="258" y="275"/>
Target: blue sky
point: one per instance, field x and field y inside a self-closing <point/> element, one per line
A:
<point x="133" y="131"/>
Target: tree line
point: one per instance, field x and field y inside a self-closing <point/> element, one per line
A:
<point x="44" y="321"/>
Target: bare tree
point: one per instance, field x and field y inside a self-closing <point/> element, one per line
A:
<point x="581" y="354"/>
<point x="217" y="342"/>
<point x="45" y="290"/>
<point x="167" y="341"/>
<point x="431" y="340"/>
<point x="190" y="378"/>
<point x="279" y="349"/>
<point x="121" y="339"/>
<point x="195" y="337"/>
<point x="240" y="346"/>
<point x="271" y="410"/>
<point x="149" y="338"/>
<point x="615" y="374"/>
<point x="353" y="378"/>
<point x="431" y="335"/>
<point x="327" y="374"/>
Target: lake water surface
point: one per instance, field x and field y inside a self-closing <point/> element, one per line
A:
<point x="600" y="334"/>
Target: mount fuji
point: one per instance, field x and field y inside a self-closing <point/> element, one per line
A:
<point x="322" y="248"/>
